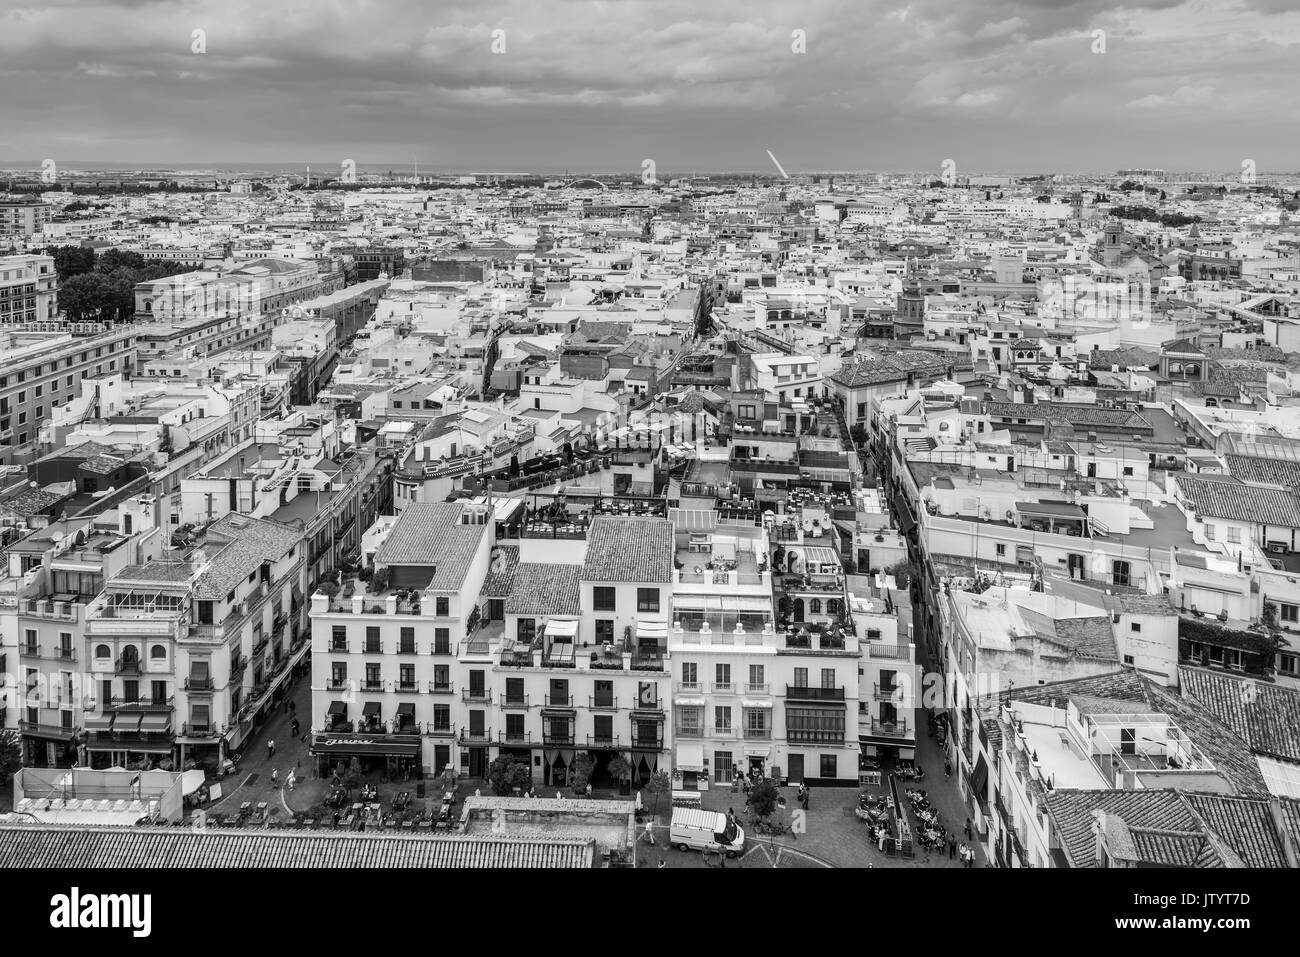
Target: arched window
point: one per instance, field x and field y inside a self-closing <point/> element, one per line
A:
<point x="814" y="606"/>
<point x="103" y="651"/>
<point x="158" y="651"/>
<point x="832" y="606"/>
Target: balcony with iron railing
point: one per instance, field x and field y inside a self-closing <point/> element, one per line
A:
<point x="514" y="700"/>
<point x="604" y="741"/>
<point x="815" y="735"/>
<point x="480" y="736"/>
<point x="198" y="684"/>
<point x="557" y="736"/>
<point x="44" y="728"/>
<point x="892" y="692"/>
<point x="566" y="701"/>
<point x="193" y="730"/>
<point x="441" y="687"/>
<point x="603" y="703"/>
<point x="516" y="738"/>
<point x="408" y="685"/>
<point x="721" y="732"/>
<point x="434" y="730"/>
<point x="898" y="726"/>
<point x="695" y="731"/>
<point x="126" y="666"/>
<point x="752" y="688"/>
<point x="804" y="693"/>
<point x="372" y="685"/>
<point x="477" y="695"/>
<point x="337" y="684"/>
<point x="723" y="687"/>
<point x="757" y="733"/>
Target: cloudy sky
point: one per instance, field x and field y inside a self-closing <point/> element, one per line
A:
<point x="995" y="85"/>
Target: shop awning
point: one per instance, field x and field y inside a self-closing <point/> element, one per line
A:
<point x="980" y="779"/>
<point x="365" y="746"/>
<point x="689" y="702"/>
<point x="99" y="722"/>
<point x="127" y="721"/>
<point x="690" y="757"/>
<point x="337" y="707"/>
<point x="406" y="707"/>
<point x="757" y="752"/>
<point x="746" y="703"/>
<point x="373" y="707"/>
<point x="155" y="721"/>
<point x="903" y="513"/>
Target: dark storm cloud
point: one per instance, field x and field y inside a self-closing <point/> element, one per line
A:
<point x="896" y="84"/>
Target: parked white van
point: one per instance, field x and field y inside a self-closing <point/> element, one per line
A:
<point x="705" y="831"/>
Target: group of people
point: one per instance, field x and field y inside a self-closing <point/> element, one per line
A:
<point x="741" y="780"/>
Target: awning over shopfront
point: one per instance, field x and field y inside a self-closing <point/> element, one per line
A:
<point x="337" y="707"/>
<point x="903" y="512"/>
<point x="406" y="707"/>
<point x="746" y="703"/>
<point x="980" y="779"/>
<point x="690" y="757"/>
<point x="99" y="722"/>
<point x="689" y="702"/>
<point x="127" y="722"/>
<point x="363" y="745"/>
<point x="373" y="707"/>
<point x="155" y="721"/>
<point x="752" y="751"/>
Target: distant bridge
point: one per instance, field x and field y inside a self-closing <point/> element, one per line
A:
<point x="582" y="184"/>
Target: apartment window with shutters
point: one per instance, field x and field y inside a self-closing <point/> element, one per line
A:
<point x="373" y="681"/>
<point x="828" y="677"/>
<point x="442" y="641"/>
<point x="722" y="719"/>
<point x="603" y="725"/>
<point x="801" y="677"/>
<point x="647" y="599"/>
<point x="441" y="678"/>
<point x="603" y="598"/>
<point x="442" y="607"/>
<point x="406" y="644"/>
<point x="372" y="640"/>
<point x="406" y="677"/>
<point x="339" y="674"/>
<point x="442" y="717"/>
<point x="756" y="679"/>
<point x="339" y="638"/>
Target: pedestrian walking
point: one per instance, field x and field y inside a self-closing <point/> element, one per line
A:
<point x="968" y="829"/>
<point x="293" y="725"/>
<point x="947" y="768"/>
<point x="270" y="749"/>
<point x="291" y="780"/>
<point x="293" y="706"/>
<point x="650" y="832"/>
<point x="275" y="777"/>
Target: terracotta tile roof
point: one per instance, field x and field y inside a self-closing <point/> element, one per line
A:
<point x="1071" y="813"/>
<point x="84" y="847"/>
<point x="501" y="572"/>
<point x="1250" y="468"/>
<point x="1227" y="751"/>
<point x="1246" y="824"/>
<point x="431" y="533"/>
<point x="540" y="590"/>
<point x="629" y="550"/>
<point x="1229" y="498"/>
<point x="1265" y="715"/>
<point x="1125" y="686"/>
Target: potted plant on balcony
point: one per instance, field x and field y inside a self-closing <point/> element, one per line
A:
<point x="621" y="771"/>
<point x="328" y="589"/>
<point x="380" y="580"/>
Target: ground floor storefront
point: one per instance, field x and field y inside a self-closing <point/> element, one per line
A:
<point x="697" y="765"/>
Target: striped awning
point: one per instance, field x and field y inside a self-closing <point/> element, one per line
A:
<point x="127" y="721"/>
